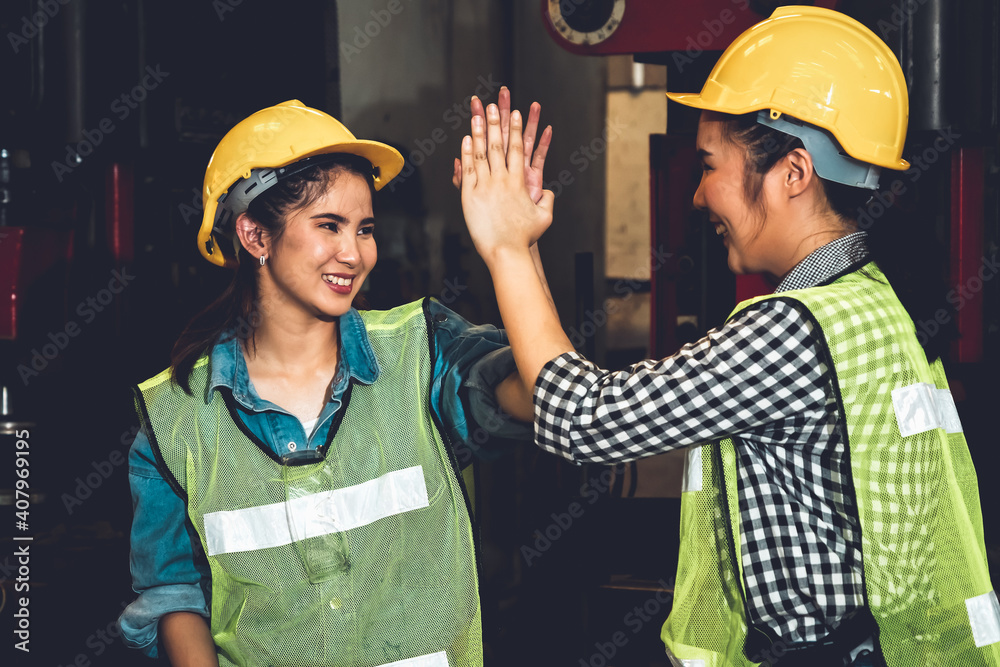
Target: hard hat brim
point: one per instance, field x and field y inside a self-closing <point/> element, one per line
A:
<point x="698" y="101"/>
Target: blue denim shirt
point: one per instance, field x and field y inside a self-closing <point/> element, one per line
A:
<point x="169" y="571"/>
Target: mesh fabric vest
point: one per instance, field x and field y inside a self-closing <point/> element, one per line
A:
<point x="926" y="578"/>
<point x="365" y="558"/>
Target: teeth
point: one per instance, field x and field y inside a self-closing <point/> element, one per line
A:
<point x="336" y="280"/>
<point x="720" y="230"/>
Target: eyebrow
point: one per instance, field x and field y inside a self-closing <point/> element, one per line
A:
<point x="702" y="153"/>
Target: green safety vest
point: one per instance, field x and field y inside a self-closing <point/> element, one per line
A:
<point x="362" y="559"/>
<point x="926" y="579"/>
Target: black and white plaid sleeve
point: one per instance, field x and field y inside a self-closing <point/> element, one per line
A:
<point x="763" y="366"/>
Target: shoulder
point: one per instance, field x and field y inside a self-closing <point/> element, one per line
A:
<point x="767" y="313"/>
<point x="860" y="294"/>
<point x="164" y="390"/>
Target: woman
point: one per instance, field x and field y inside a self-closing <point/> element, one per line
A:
<point x="834" y="517"/>
<point x="297" y="482"/>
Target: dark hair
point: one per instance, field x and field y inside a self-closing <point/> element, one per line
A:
<point x="236" y="309"/>
<point x="909" y="261"/>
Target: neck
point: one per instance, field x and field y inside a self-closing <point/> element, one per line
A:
<point x="291" y="339"/>
<point x="800" y="237"/>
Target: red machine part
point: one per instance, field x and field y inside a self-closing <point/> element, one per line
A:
<point x="751" y="285"/>
<point x="650" y="26"/>
<point x="26" y="255"/>
<point x="119" y="213"/>
<point x="968" y="268"/>
<point x="670" y="193"/>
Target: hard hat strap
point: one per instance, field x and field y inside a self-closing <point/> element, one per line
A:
<point x="828" y="157"/>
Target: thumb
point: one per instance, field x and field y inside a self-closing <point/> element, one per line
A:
<point x="547" y="202"/>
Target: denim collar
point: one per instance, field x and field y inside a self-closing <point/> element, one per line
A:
<point x="229" y="369"/>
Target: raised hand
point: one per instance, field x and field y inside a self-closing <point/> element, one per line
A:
<point x="534" y="157"/>
<point x="499" y="209"/>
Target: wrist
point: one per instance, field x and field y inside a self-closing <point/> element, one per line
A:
<point x="506" y="256"/>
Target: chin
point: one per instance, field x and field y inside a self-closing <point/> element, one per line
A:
<point x="737" y="268"/>
<point x="326" y="311"/>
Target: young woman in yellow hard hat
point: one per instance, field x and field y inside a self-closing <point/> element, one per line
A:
<point x="298" y="482"/>
<point x="833" y="517"/>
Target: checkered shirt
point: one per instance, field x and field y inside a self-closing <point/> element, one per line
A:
<point x="763" y="380"/>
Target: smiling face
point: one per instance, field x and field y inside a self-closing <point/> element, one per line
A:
<point x="326" y="250"/>
<point x="721" y="194"/>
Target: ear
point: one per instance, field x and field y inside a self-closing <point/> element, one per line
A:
<point x="799" y="172"/>
<point x="251" y="236"/>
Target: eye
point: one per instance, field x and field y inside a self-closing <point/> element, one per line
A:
<point x="367" y="230"/>
<point x="705" y="167"/>
<point x="332" y="226"/>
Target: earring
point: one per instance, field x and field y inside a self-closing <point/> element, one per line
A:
<point x="263" y="258"/>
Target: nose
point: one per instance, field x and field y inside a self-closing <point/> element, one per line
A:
<point x="349" y="252"/>
<point x="699" y="196"/>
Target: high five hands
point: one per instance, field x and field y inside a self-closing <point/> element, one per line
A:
<point x="533" y="162"/>
<point x="500" y="176"/>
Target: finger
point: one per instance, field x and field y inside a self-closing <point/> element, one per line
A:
<point x="456" y="174"/>
<point x="476" y="107"/>
<point x="530" y="131"/>
<point x="479" y="159"/>
<point x="538" y="159"/>
<point x="468" y="164"/>
<point x="515" y="151"/>
<point x="504" y="105"/>
<point x="496" y="154"/>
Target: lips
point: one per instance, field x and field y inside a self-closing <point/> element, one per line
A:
<point x="339" y="282"/>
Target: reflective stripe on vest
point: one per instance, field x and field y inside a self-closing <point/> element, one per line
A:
<point x="317" y="514"/>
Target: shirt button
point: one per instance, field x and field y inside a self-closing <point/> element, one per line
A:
<point x="440" y="317"/>
<point x="335" y="603"/>
<point x="292" y="446"/>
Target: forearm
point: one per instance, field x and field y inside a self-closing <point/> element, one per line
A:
<point x="540" y="272"/>
<point x="529" y="316"/>
<point x="514" y="398"/>
<point x="187" y="640"/>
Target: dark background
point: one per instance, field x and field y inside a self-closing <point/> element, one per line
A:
<point x="220" y="61"/>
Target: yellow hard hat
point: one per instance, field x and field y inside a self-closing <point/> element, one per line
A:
<point x="268" y="140"/>
<point x="820" y="67"/>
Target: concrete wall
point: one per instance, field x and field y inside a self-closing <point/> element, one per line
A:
<point x="406" y="79"/>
